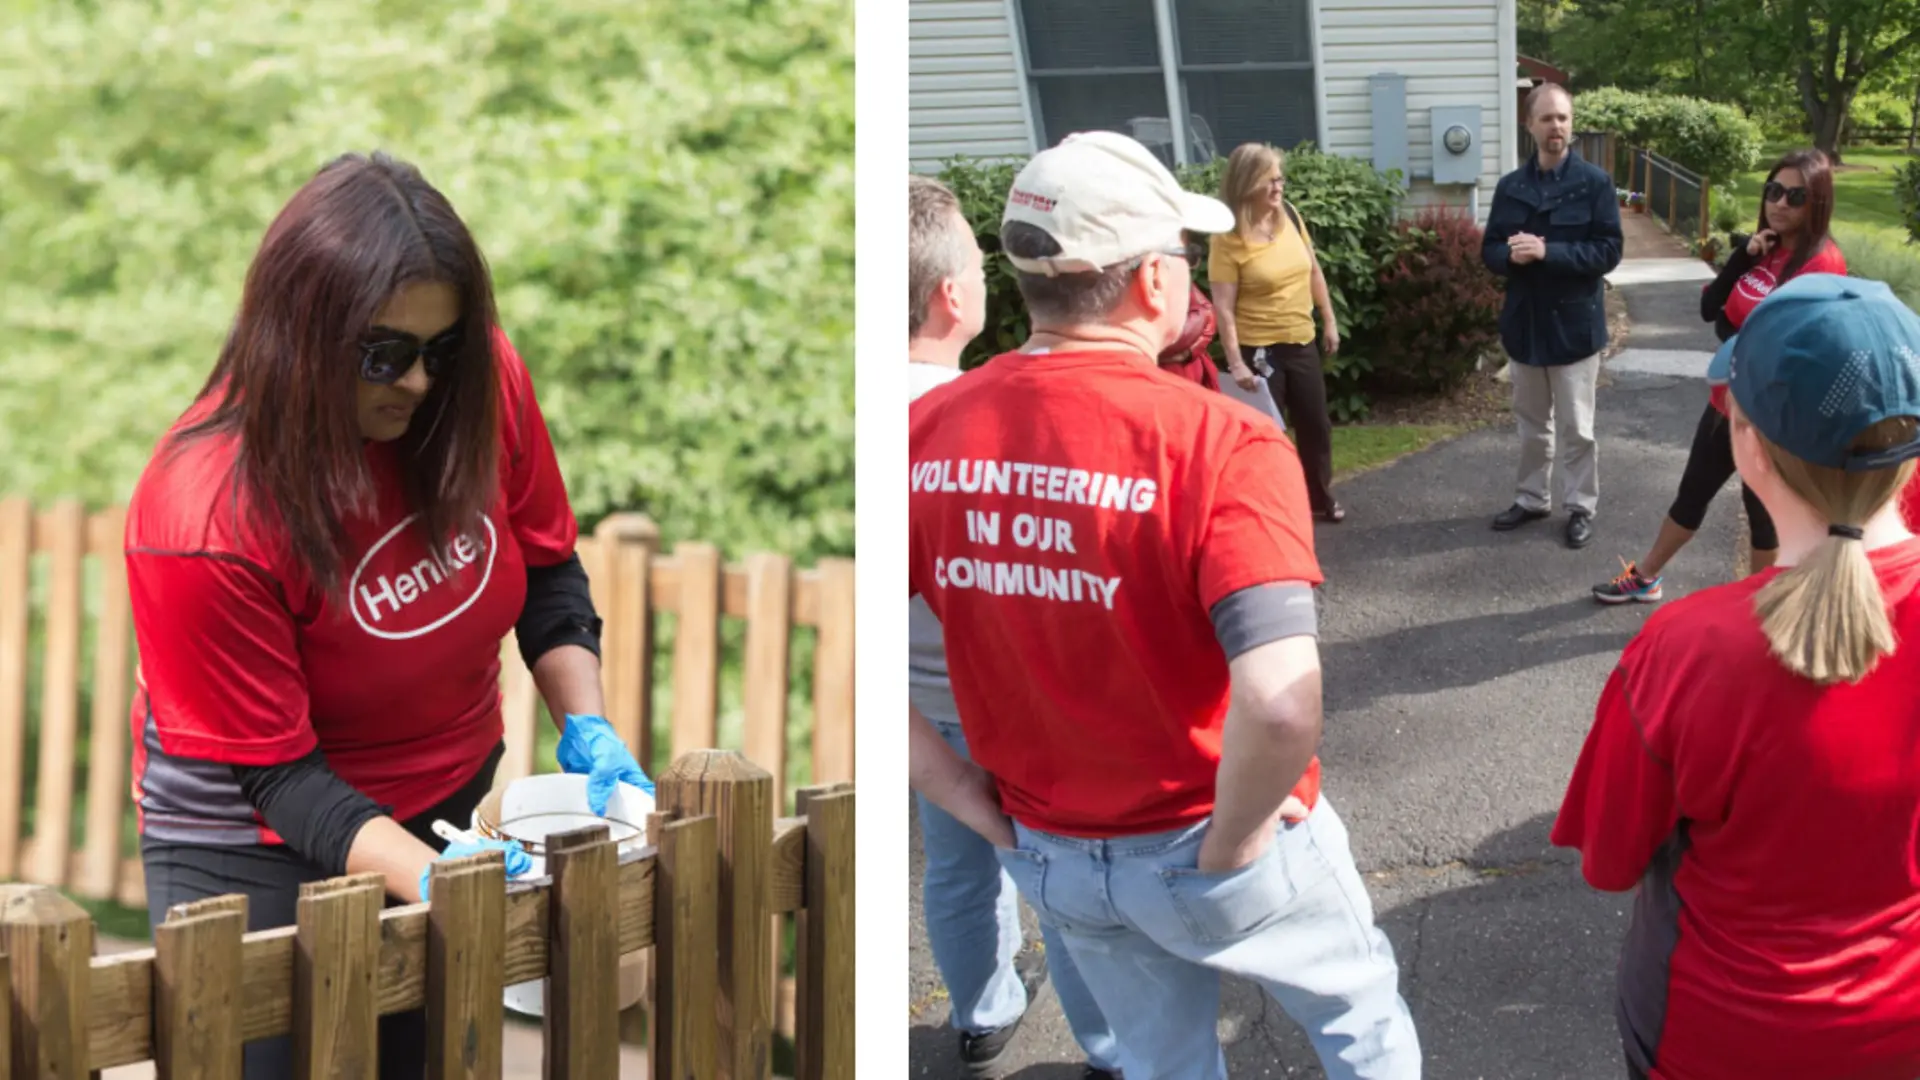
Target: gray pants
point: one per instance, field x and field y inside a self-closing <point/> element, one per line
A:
<point x="1555" y="405"/>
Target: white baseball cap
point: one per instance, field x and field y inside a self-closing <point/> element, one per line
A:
<point x="1105" y="199"/>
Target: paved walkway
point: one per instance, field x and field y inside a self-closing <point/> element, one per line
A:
<point x="1462" y="666"/>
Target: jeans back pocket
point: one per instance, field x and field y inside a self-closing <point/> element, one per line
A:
<point x="1234" y="904"/>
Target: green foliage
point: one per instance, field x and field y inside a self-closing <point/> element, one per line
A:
<point x="1882" y="109"/>
<point x="1882" y="258"/>
<point x="664" y="192"/>
<point x="1707" y="137"/>
<point x="1906" y="194"/>
<point x="1347" y="373"/>
<point x="1349" y="207"/>
<point x="1727" y="215"/>
<point x="1442" y="306"/>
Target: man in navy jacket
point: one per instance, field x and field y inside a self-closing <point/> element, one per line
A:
<point x="1553" y="233"/>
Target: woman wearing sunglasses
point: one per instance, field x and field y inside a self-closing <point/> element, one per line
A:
<point x="1795" y="210"/>
<point x="324" y="556"/>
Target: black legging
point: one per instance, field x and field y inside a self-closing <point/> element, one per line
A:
<point x="1299" y="388"/>
<point x="1709" y="467"/>
<point x="271" y="876"/>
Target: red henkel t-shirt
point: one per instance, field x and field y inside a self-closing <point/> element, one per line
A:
<point x="242" y="663"/>
<point x="1759" y="282"/>
<point x="1073" y="517"/>
<point x="1773" y="827"/>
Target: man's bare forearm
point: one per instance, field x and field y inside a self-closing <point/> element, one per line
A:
<point x="1272" y="732"/>
<point x="952" y="783"/>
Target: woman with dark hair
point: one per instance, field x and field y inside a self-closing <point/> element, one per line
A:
<point x="1796" y="208"/>
<point x="324" y="556"/>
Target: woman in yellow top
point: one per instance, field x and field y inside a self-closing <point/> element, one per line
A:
<point x="1266" y="282"/>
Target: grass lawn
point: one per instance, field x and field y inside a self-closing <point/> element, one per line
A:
<point x="1862" y="190"/>
<point x="1359" y="447"/>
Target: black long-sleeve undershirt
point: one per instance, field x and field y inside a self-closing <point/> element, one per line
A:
<point x="318" y="814"/>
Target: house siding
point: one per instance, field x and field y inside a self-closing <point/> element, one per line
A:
<point x="965" y="92"/>
<point x="1450" y="56"/>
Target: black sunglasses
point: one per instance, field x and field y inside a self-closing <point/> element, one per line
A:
<point x="1775" y="191"/>
<point x="390" y="354"/>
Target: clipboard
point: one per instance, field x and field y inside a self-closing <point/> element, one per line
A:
<point x="1260" y="397"/>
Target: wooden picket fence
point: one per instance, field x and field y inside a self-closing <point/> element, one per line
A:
<point x="699" y="896"/>
<point x="632" y="583"/>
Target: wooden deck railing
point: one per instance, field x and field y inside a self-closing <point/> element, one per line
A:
<point x="699" y="897"/>
<point x="633" y="583"/>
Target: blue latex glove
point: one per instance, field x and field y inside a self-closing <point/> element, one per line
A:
<point x="518" y="861"/>
<point x="589" y="745"/>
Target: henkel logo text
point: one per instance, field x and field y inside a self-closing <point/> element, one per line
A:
<point x="396" y="599"/>
<point x="1028" y="198"/>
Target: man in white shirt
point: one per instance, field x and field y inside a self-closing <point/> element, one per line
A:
<point x="972" y="906"/>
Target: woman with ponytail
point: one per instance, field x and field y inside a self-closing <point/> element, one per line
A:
<point x="1754" y="767"/>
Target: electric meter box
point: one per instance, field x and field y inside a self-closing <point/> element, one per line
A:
<point x="1456" y="144"/>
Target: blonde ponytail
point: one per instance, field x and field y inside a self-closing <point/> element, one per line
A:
<point x="1825" y="617"/>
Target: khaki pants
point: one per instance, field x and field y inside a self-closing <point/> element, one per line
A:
<point x="1555" y="405"/>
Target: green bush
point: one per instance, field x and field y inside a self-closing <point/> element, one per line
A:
<point x="1442" y="306"/>
<point x="1349" y="207"/>
<point x="1726" y="209"/>
<point x="1906" y="194"/>
<point x="1881" y="109"/>
<point x="1707" y="137"/>
<point x="664" y="192"/>
<point x="1882" y="257"/>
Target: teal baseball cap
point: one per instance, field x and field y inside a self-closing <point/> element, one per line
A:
<point x="1822" y="359"/>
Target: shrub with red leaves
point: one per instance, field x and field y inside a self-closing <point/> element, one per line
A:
<point x="1442" y="306"/>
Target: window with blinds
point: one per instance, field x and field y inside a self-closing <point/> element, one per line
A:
<point x="1243" y="72"/>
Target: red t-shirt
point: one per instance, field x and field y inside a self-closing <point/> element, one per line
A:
<point x="1759" y="282"/>
<point x="1073" y="518"/>
<point x="242" y="663"/>
<point x="1796" y="897"/>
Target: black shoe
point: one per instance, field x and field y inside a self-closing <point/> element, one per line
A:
<point x="1099" y="1074"/>
<point x="982" y="1052"/>
<point x="1515" y="516"/>
<point x="1579" y="529"/>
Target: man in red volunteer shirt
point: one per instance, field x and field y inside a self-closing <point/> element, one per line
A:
<point x="1123" y="565"/>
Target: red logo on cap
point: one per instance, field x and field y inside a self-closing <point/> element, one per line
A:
<point x="1038" y="202"/>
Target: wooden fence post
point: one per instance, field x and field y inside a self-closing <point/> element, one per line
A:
<point x="1706" y="206"/>
<point x="66" y="534"/>
<point x="49" y="939"/>
<point x="1673" y="199"/>
<point x="824" y="1022"/>
<point x="738" y="794"/>
<point x="696" y="648"/>
<point x="336" y="968"/>
<point x="581" y="1016"/>
<point x="16" y="564"/>
<point x="6" y="1015"/>
<point x="466" y="967"/>
<point x="101" y="863"/>
<point x="686" y="886"/>
<point x="197" y="980"/>
<point x="833" y="714"/>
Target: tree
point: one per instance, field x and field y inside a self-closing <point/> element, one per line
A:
<point x="1832" y="46"/>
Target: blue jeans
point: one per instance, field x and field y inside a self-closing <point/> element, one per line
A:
<point x="973" y="924"/>
<point x="1152" y="936"/>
